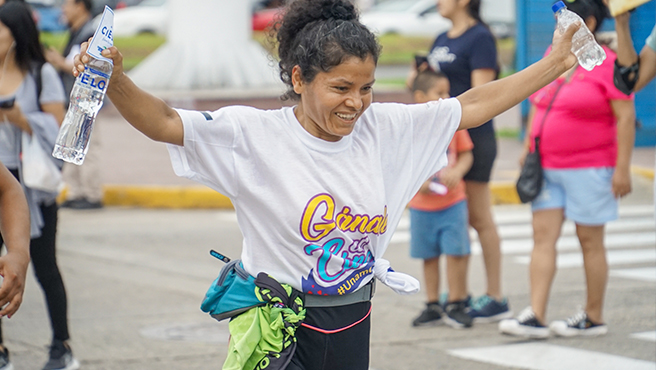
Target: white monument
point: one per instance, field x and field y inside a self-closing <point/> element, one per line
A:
<point x="209" y="46"/>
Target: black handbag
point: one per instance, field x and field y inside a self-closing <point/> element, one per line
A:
<point x="530" y="179"/>
<point x="529" y="183"/>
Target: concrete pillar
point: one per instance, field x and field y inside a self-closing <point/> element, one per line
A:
<point x="209" y="47"/>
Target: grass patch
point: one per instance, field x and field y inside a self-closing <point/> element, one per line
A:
<point x="134" y="49"/>
<point x="508" y="133"/>
<point x="396" y="49"/>
<point x="401" y="49"/>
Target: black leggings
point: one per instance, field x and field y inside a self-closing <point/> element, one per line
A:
<point x="348" y="349"/>
<point x="44" y="260"/>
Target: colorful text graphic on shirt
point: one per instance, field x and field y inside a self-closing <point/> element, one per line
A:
<point x="340" y="243"/>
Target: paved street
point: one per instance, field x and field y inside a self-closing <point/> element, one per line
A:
<point x="135" y="278"/>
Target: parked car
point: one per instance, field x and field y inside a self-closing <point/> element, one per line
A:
<point x="265" y="18"/>
<point x="151" y="16"/>
<point x="421" y="18"/>
<point x="405" y="17"/>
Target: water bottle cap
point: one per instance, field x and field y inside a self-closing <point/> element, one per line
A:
<point x="557" y="6"/>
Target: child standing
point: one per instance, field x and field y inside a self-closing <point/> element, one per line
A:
<point x="438" y="219"/>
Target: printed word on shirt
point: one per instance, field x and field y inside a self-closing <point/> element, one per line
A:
<point x="323" y="228"/>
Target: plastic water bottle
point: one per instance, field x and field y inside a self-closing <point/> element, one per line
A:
<point x="87" y="96"/>
<point x="584" y="46"/>
<point x="86" y="100"/>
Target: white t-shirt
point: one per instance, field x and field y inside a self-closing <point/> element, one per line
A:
<point x="316" y="214"/>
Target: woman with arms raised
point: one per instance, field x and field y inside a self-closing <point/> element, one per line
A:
<point x="318" y="188"/>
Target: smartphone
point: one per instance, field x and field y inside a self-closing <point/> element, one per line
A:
<point x="6" y="103"/>
<point x="420" y="59"/>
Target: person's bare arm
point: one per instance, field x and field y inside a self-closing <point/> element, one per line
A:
<point x="627" y="56"/>
<point x="15" y="230"/>
<point x="148" y="114"/>
<point x="647" y="67"/>
<point x="482" y="103"/>
<point x="625" y="112"/>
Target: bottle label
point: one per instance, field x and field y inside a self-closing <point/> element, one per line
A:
<point x="103" y="38"/>
<point x="93" y="79"/>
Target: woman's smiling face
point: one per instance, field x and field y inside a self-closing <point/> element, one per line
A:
<point x="332" y="103"/>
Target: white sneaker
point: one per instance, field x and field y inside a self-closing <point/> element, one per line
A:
<point x="525" y="325"/>
<point x="578" y="325"/>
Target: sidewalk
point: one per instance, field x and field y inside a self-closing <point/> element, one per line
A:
<point x="137" y="171"/>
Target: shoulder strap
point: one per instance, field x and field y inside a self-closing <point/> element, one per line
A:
<point x="36" y="74"/>
<point x="544" y="118"/>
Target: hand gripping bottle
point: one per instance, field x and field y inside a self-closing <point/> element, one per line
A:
<point x="584" y="46"/>
<point x="87" y="96"/>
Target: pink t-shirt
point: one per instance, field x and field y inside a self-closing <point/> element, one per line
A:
<point x="580" y="130"/>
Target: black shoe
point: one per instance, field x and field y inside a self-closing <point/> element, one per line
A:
<point x="61" y="357"/>
<point x="83" y="203"/>
<point x="431" y="315"/>
<point x="5" y="364"/>
<point x="457" y="316"/>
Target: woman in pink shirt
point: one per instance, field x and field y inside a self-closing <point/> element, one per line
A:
<point x="586" y="128"/>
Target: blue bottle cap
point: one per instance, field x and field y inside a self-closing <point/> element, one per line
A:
<point x="557" y="6"/>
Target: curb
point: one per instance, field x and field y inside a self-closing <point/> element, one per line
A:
<point x="645" y="172"/>
<point x="200" y="197"/>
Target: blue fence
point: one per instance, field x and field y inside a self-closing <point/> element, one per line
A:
<point x="535" y="25"/>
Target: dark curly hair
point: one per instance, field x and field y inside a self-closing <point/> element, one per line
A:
<point x="586" y="8"/>
<point x="317" y="35"/>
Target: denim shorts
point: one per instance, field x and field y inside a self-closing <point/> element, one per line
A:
<point x="433" y="233"/>
<point x="585" y="194"/>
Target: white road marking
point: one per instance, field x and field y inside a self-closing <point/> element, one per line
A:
<point x="543" y="356"/>
<point x="649" y="336"/>
<point x="644" y="273"/>
<point x="621" y="257"/>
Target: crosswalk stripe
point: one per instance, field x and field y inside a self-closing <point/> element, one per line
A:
<point x="617" y="257"/>
<point x="543" y="356"/>
<point x="649" y="336"/>
<point x="569" y="228"/>
<point x="565" y="243"/>
<point x="523" y="215"/>
<point x="644" y="273"/>
<point x="518" y="216"/>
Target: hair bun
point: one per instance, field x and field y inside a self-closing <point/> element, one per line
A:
<point x="337" y="9"/>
